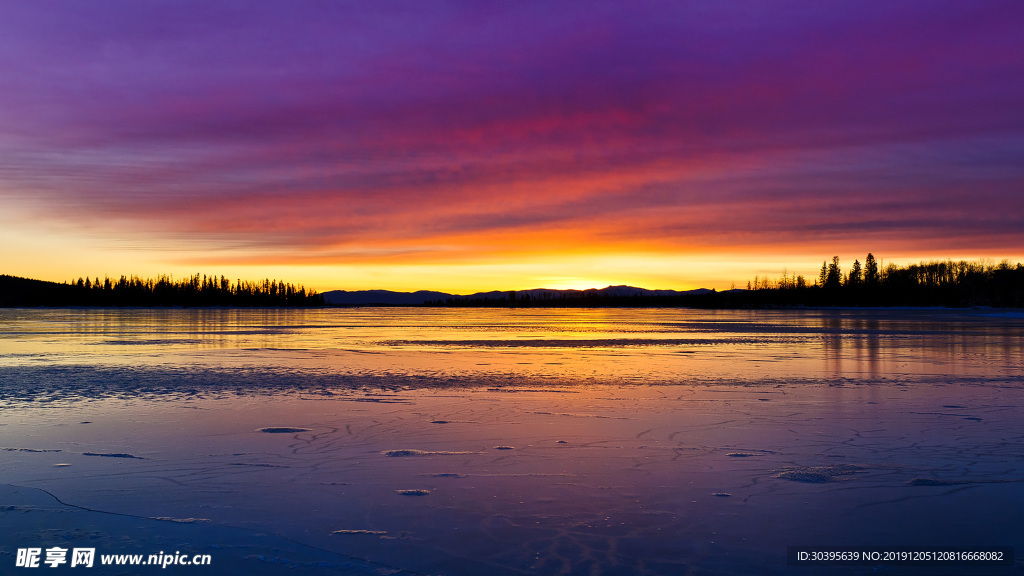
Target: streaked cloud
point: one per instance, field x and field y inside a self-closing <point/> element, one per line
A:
<point x="404" y="133"/>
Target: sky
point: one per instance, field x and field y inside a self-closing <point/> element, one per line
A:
<point x="465" y="146"/>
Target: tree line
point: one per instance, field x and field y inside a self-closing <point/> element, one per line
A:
<point x="197" y="290"/>
<point x="951" y="283"/>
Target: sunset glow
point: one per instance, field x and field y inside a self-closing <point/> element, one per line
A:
<point x="485" y="145"/>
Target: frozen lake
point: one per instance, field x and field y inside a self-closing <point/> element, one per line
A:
<point x="462" y="442"/>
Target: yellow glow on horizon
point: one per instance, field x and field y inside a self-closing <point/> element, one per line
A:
<point x="653" y="271"/>
<point x="47" y="251"/>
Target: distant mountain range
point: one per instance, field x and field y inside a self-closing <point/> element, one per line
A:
<point x="389" y="298"/>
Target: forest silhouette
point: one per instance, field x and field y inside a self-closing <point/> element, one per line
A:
<point x="194" y="291"/>
<point x="948" y="283"/>
<point x="945" y="283"/>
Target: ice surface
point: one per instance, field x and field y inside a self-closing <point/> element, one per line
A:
<point x="310" y="443"/>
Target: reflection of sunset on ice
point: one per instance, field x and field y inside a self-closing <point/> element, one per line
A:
<point x="509" y="441"/>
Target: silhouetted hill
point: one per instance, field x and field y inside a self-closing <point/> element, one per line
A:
<point x="610" y="295"/>
<point x="15" y="291"/>
<point x="381" y="297"/>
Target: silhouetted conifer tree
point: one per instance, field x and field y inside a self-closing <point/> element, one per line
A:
<point x="870" y="270"/>
<point x="834" y="276"/>
<point x="854" y="278"/>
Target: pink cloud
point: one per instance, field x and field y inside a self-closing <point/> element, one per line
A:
<point x="418" y="128"/>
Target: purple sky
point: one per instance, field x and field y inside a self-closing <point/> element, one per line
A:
<point x="386" y="137"/>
